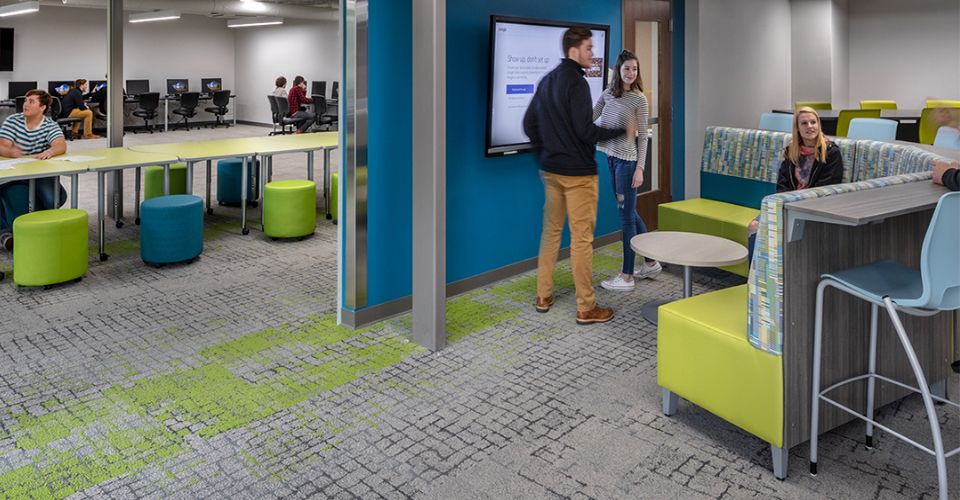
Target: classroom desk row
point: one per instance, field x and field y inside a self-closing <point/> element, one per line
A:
<point x="102" y="161"/>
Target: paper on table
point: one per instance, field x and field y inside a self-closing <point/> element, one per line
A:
<point x="8" y="164"/>
<point x="78" y="158"/>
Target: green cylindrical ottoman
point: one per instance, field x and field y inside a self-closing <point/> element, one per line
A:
<point x="153" y="180"/>
<point x="289" y="208"/>
<point x="50" y="246"/>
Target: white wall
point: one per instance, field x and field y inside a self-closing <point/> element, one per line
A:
<point x="308" y="49"/>
<point x="738" y="66"/>
<point x="840" y="50"/>
<point x="63" y="43"/>
<point x="811" y="52"/>
<point x="905" y="51"/>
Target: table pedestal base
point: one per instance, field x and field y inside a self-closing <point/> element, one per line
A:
<point x="649" y="310"/>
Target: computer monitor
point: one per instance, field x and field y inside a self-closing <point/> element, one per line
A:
<point x="137" y="87"/>
<point x="19" y="89"/>
<point x="335" y="93"/>
<point x="96" y="85"/>
<point x="211" y="85"/>
<point x="319" y="88"/>
<point x="59" y="88"/>
<point x="176" y="86"/>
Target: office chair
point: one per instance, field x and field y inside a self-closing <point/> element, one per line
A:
<point x="279" y="107"/>
<point x="149" y="103"/>
<point x="66" y="123"/>
<point x="320" y="108"/>
<point x="188" y="107"/>
<point x="220" y="100"/>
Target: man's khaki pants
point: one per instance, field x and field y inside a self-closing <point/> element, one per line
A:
<point x="573" y="197"/>
<point x="87" y="116"/>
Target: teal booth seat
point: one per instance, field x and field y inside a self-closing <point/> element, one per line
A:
<point x="153" y="180"/>
<point x="171" y="229"/>
<point x="229" y="179"/>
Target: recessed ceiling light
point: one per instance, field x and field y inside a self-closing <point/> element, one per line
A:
<point x="19" y="8"/>
<point x="247" y="22"/>
<point x="159" y="15"/>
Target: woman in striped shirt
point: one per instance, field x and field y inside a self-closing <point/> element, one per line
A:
<point x="621" y="103"/>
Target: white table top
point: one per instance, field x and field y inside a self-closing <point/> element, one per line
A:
<point x="688" y="249"/>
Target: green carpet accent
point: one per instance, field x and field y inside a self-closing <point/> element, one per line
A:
<point x="146" y="422"/>
<point x="607" y="261"/>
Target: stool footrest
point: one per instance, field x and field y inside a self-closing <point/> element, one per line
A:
<point x="863" y="417"/>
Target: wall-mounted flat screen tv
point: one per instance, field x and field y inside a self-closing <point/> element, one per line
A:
<point x="522" y="51"/>
<point x="6" y="49"/>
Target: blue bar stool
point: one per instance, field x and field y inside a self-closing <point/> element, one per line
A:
<point x="935" y="287"/>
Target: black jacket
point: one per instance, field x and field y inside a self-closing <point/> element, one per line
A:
<point x="822" y="174"/>
<point x="951" y="179"/>
<point x="73" y="100"/>
<point x="559" y="122"/>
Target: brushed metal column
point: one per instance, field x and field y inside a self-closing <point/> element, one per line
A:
<point x="353" y="107"/>
<point x="429" y="174"/>
<point x="115" y="101"/>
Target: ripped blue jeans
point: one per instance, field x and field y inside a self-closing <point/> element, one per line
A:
<point x="621" y="173"/>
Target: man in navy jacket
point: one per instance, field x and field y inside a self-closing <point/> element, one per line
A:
<point x="559" y="123"/>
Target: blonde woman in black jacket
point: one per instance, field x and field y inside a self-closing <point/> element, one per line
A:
<point x="809" y="161"/>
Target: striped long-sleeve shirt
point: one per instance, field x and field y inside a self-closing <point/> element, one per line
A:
<point x="614" y="112"/>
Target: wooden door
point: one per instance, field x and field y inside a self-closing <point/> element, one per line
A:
<point x="646" y="32"/>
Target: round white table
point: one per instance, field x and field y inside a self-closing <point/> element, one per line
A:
<point x="688" y="250"/>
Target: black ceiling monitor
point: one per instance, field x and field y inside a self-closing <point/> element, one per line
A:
<point x="318" y="88"/>
<point x="137" y="87"/>
<point x="335" y="93"/>
<point x="59" y="88"/>
<point x="211" y="85"/>
<point x="6" y="49"/>
<point x="176" y="86"/>
<point x="521" y="52"/>
<point x="19" y="89"/>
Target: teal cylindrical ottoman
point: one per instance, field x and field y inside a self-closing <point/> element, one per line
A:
<point x="229" y="177"/>
<point x="171" y="229"/>
<point x="50" y="246"/>
<point x="153" y="180"/>
<point x="289" y="208"/>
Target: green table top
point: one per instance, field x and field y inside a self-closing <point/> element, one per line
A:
<point x="41" y="168"/>
<point x="244" y="146"/>
<point x="119" y="157"/>
<point x="297" y="143"/>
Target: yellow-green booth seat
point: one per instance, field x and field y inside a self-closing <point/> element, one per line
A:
<point x="813" y="104"/>
<point x="153" y="180"/>
<point x="50" y="246"/>
<point x="704" y="357"/>
<point x="843" y="120"/>
<point x="878" y="104"/>
<point x="289" y="208"/>
<point x="706" y="216"/>
<point x="943" y="103"/>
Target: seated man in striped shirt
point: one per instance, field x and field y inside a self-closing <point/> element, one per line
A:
<point x="30" y="133"/>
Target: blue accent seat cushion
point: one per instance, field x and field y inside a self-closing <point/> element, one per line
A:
<point x="228" y="180"/>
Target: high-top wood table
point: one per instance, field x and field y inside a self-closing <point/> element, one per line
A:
<point x="688" y="250"/>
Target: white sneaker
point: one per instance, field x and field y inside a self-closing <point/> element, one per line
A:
<point x="618" y="284"/>
<point x="647" y="270"/>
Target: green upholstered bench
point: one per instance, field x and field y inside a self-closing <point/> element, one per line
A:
<point x="717" y="218"/>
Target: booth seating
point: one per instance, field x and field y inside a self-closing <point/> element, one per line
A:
<point x="738" y="169"/>
<point x="723" y="350"/>
<point x="153" y="180"/>
<point x="289" y="209"/>
<point x="229" y="180"/>
<point x="51" y="247"/>
<point x="171" y="229"/>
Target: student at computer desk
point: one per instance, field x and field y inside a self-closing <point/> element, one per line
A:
<point x="297" y="98"/>
<point x="281" y="90"/>
<point x="25" y="134"/>
<point x="99" y="97"/>
<point x="74" y="107"/>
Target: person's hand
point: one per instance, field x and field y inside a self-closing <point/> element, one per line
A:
<point x="46" y="155"/>
<point x="941" y="166"/>
<point x="637" y="179"/>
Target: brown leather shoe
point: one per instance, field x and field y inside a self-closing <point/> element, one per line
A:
<point x="596" y="315"/>
<point x="543" y="305"/>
